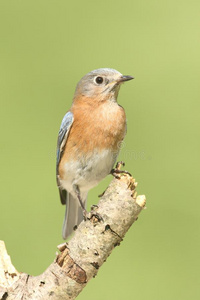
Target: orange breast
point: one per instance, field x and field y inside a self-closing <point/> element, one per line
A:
<point x="100" y="126"/>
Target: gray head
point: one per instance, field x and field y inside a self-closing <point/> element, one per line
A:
<point x="101" y="83"/>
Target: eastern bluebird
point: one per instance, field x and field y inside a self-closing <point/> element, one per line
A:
<point x="89" y="141"/>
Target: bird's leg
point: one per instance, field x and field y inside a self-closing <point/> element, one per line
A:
<point x="117" y="170"/>
<point x="77" y="191"/>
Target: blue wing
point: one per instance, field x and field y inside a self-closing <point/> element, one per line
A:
<point x="62" y="139"/>
<point x="63" y="134"/>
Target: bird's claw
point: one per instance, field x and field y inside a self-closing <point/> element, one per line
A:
<point x="117" y="170"/>
<point x="95" y="217"/>
<point x="93" y="207"/>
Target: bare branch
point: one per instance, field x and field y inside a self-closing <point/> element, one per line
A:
<point x="80" y="259"/>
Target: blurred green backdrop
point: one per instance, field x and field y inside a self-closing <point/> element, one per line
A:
<point x="45" y="48"/>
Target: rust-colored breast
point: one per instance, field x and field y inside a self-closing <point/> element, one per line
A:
<point x="99" y="126"/>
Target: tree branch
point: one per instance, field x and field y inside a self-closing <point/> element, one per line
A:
<point x="80" y="258"/>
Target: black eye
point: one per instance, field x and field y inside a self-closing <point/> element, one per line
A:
<point x="99" y="79"/>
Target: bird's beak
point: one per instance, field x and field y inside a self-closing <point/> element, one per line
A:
<point x="124" y="78"/>
<point x="116" y="83"/>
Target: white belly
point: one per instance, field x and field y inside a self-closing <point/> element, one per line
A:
<point x="86" y="173"/>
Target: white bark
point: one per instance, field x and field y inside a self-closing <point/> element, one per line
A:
<point x="80" y="259"/>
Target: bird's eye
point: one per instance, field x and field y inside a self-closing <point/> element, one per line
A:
<point x="99" y="80"/>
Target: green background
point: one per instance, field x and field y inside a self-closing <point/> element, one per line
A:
<point x="45" y="48"/>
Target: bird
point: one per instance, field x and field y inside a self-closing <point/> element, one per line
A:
<point x="89" y="140"/>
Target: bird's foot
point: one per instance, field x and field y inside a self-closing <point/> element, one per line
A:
<point x="117" y="170"/>
<point x="94" y="207"/>
<point x="94" y="215"/>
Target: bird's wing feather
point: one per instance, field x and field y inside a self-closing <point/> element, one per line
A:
<point x="62" y="139"/>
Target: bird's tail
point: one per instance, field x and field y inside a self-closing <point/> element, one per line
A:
<point x="73" y="215"/>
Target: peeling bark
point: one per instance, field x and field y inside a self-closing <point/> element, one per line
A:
<point x="80" y="258"/>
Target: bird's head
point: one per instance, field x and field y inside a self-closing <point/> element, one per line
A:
<point x="101" y="84"/>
